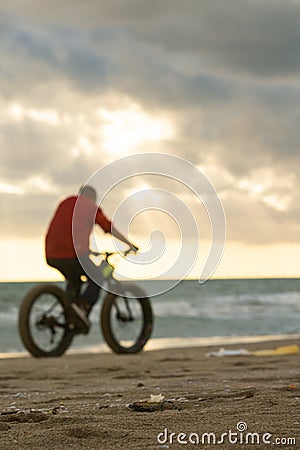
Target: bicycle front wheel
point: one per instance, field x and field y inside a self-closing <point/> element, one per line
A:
<point x="127" y="320"/>
<point x="43" y="321"/>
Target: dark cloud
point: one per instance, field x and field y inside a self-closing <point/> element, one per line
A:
<point x="34" y="56"/>
<point x="249" y="36"/>
<point x="256" y="38"/>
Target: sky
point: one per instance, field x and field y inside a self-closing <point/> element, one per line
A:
<point x="83" y="84"/>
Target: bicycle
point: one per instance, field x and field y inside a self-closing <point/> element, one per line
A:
<point x="47" y="325"/>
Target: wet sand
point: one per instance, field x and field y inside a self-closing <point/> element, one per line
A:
<point x="93" y="400"/>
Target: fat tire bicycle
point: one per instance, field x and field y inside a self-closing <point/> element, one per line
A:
<point x="47" y="324"/>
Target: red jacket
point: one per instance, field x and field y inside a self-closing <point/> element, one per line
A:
<point x="65" y="231"/>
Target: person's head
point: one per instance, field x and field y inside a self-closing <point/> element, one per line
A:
<point x="88" y="192"/>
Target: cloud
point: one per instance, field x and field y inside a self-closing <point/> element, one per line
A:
<point x="224" y="75"/>
<point x="37" y="56"/>
<point x="233" y="35"/>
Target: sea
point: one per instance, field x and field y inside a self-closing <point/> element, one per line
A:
<point x="217" y="312"/>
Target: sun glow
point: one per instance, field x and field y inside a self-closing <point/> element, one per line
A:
<point x="270" y="187"/>
<point x="48" y="116"/>
<point x="7" y="188"/>
<point x="125" y="129"/>
<point x="139" y="188"/>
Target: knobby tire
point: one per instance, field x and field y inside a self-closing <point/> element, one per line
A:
<point x="24" y="321"/>
<point x="107" y="312"/>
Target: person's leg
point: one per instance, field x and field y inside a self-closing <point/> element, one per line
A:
<point x="91" y="289"/>
<point x="91" y="292"/>
<point x="72" y="271"/>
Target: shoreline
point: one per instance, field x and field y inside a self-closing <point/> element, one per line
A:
<point x="174" y="343"/>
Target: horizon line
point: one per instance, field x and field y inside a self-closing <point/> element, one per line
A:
<point x="282" y="277"/>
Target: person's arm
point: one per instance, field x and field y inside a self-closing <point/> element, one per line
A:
<point x="117" y="234"/>
<point x="109" y="227"/>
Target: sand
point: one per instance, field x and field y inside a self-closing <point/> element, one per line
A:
<point x="83" y="400"/>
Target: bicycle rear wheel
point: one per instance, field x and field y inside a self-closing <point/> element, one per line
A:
<point x="127" y="321"/>
<point x="43" y="321"/>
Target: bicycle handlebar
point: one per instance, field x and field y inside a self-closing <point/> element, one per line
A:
<point x="106" y="255"/>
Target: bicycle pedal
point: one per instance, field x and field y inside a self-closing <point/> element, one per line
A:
<point x="82" y="324"/>
<point x="78" y="328"/>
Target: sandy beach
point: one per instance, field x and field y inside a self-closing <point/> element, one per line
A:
<point x="101" y="401"/>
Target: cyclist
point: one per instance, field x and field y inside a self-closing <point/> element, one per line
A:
<point x="65" y="234"/>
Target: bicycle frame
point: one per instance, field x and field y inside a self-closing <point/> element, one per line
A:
<point x="109" y="268"/>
